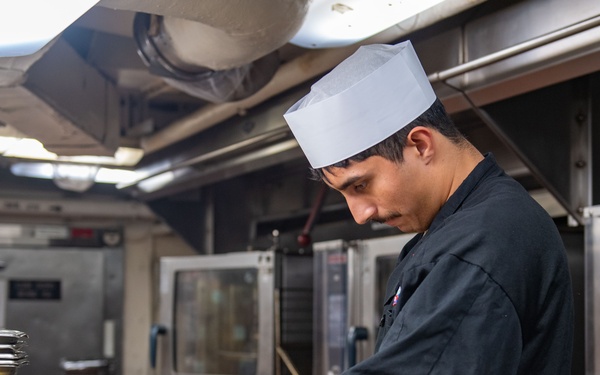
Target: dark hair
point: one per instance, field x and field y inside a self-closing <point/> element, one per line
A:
<point x="392" y="147"/>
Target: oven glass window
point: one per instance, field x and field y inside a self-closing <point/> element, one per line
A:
<point x="216" y="321"/>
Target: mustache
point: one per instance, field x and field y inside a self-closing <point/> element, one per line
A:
<point x="382" y="220"/>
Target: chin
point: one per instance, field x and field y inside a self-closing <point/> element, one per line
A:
<point x="409" y="229"/>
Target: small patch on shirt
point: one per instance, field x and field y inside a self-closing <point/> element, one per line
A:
<point x="397" y="296"/>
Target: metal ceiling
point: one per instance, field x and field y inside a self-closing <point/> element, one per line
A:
<point x="89" y="91"/>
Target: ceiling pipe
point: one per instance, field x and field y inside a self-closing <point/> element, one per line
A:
<point x="255" y="22"/>
<point x="295" y="72"/>
<point x="514" y="50"/>
<point x="223" y="55"/>
<point x="240" y="74"/>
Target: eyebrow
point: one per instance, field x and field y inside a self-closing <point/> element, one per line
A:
<point x="348" y="182"/>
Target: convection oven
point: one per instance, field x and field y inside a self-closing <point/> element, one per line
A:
<point x="238" y="313"/>
<point x="349" y="283"/>
<point x="216" y="315"/>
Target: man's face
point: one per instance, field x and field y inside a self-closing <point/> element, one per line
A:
<point x="397" y="194"/>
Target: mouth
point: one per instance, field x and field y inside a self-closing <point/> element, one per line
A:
<point x="389" y="220"/>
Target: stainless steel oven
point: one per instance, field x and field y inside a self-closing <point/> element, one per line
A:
<point x="349" y="283"/>
<point x="216" y="315"/>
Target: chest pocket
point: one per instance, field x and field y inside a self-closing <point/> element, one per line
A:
<point x="407" y="283"/>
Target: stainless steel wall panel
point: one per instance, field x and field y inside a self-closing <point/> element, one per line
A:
<point x="592" y="290"/>
<point x="68" y="325"/>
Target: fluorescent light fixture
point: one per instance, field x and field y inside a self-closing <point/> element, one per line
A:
<point x="28" y="148"/>
<point x="75" y="172"/>
<point x="329" y="23"/>
<point x="37" y="170"/>
<point x="28" y="25"/>
<point x="156" y="182"/>
<point x="116" y="176"/>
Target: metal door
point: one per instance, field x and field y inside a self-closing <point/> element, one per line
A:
<point x="216" y="315"/>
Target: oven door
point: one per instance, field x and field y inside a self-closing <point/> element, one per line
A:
<point x="378" y="259"/>
<point x="215" y="315"/>
<point x="349" y="286"/>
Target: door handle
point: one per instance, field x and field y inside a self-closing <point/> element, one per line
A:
<point x="155" y="330"/>
<point x="354" y="334"/>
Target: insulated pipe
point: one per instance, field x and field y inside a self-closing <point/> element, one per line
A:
<point x="297" y="71"/>
<point x="245" y="29"/>
<point x="304" y="238"/>
<point x="232" y="82"/>
<point x="196" y="43"/>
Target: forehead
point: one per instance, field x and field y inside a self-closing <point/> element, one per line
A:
<point x="340" y="178"/>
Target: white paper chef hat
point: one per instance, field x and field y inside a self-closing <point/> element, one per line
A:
<point x="368" y="97"/>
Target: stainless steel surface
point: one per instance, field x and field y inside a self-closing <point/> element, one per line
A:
<point x="17" y="354"/>
<point x="592" y="290"/>
<point x="82" y="116"/>
<point x="349" y="280"/>
<point x="11" y="354"/>
<point x="11" y="337"/>
<point x="220" y="153"/>
<point x="260" y="301"/>
<point x="562" y="161"/>
<point x="332" y="283"/>
<point x="65" y="322"/>
<point x="378" y="258"/>
<point x="515" y="50"/>
<point x="505" y="62"/>
<point x="581" y="148"/>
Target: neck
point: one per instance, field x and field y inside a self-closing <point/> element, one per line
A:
<point x="465" y="159"/>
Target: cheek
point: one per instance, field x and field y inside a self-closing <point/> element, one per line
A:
<point x="394" y="198"/>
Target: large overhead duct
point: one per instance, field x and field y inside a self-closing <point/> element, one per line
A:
<point x="156" y="47"/>
<point x="226" y="55"/>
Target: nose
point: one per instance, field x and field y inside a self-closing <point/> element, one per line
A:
<point x="362" y="210"/>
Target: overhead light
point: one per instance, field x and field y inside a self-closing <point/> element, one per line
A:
<point x="156" y="182"/>
<point x="28" y="25"/>
<point x="330" y="23"/>
<point x="116" y="176"/>
<point x="28" y="148"/>
<point x="76" y="177"/>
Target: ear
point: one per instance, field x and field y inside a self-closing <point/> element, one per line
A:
<point x="422" y="139"/>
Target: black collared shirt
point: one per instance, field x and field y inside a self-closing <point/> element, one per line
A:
<point x="486" y="291"/>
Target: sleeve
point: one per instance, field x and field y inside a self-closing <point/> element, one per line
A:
<point x="457" y="321"/>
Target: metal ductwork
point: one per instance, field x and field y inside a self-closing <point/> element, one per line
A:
<point x="226" y="57"/>
<point x="61" y="97"/>
<point x="56" y="97"/>
<point x="157" y="49"/>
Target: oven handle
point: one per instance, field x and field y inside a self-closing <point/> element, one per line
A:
<point x="355" y="334"/>
<point x="155" y="330"/>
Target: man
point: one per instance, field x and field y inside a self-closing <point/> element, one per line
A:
<point x="484" y="288"/>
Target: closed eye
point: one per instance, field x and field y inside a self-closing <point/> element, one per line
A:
<point x="360" y="187"/>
